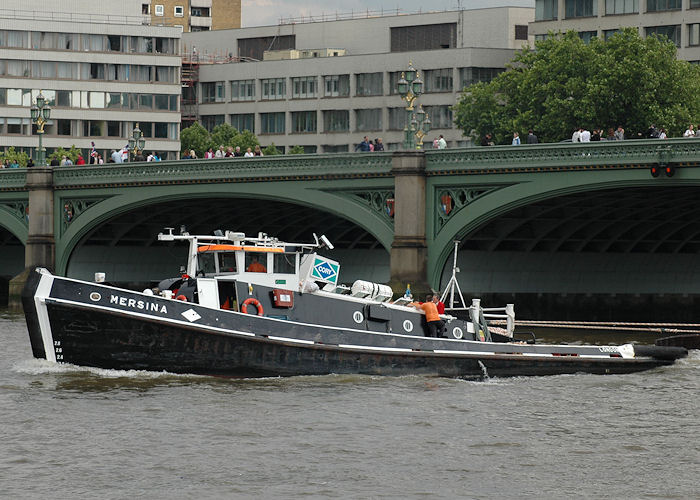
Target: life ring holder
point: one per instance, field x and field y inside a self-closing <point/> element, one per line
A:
<point x="252" y="301"/>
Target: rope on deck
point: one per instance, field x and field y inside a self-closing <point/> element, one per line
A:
<point x="663" y="328"/>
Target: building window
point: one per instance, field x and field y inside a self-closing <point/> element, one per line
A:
<point x="695" y="4"/>
<point x="438" y="80"/>
<point x="440" y="116"/>
<point x="541" y="37"/>
<point x="397" y="119"/>
<point x="210" y="91"/>
<point x="336" y="85"/>
<point x="114" y="129"/>
<point x="607" y="34"/>
<point x="672" y="32"/>
<point x="336" y="121"/>
<point x="587" y="36"/>
<point x="470" y="76"/>
<point x="368" y="119"/>
<point x="661" y="5"/>
<point x="394" y="78"/>
<point x="272" y="123"/>
<point x="694" y="34"/>
<point x="424" y="37"/>
<point x="211" y="121"/>
<point x="369" y="84"/>
<point x="243" y="90"/>
<point x="245" y="121"/>
<point x="581" y="8"/>
<point x="179" y="11"/>
<point x="273" y="88"/>
<point x="303" y="122"/>
<point x="521" y="31"/>
<point x="145" y="8"/>
<point x="621" y="7"/>
<point x="546" y="10"/>
<point x="304" y="87"/>
<point x="63" y="127"/>
<point x="159" y="10"/>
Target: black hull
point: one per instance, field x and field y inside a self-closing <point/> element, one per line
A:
<point x="68" y="323"/>
<point x="132" y="344"/>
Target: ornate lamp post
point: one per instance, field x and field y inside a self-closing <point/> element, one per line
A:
<point x="40" y="113"/>
<point x="410" y="87"/>
<point x="422" y="125"/>
<point x="136" y="141"/>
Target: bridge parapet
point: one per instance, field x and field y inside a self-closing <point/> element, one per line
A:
<point x="13" y="179"/>
<point x="298" y="167"/>
<point x="603" y="154"/>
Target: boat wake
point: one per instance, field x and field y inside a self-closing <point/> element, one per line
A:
<point x="44" y="367"/>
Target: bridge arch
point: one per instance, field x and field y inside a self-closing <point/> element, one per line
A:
<point x="311" y="195"/>
<point x="525" y="192"/>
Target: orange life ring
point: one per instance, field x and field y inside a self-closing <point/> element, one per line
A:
<point x="253" y="301"/>
<point x="181" y="297"/>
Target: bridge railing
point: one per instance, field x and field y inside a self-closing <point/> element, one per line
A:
<point x="13" y="179"/>
<point x="607" y="153"/>
<point x="297" y="167"/>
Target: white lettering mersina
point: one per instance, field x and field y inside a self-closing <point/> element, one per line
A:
<point x="138" y="304"/>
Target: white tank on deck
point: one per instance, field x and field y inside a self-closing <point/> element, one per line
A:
<point x="369" y="290"/>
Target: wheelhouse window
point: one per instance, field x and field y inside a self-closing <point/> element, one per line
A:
<point x="256" y="262"/>
<point x="284" y="263"/>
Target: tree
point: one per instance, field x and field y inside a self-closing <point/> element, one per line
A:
<point x="296" y="150"/>
<point x="195" y="137"/>
<point x="71" y="153"/>
<point x="19" y="157"/>
<point x="223" y="135"/>
<point x="565" y="83"/>
<point x="271" y="150"/>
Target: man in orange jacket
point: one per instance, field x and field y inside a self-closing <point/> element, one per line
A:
<point x="432" y="318"/>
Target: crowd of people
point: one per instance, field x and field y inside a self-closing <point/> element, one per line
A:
<point x="581" y="134"/>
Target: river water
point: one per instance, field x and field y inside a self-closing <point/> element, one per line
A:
<point x="69" y="432"/>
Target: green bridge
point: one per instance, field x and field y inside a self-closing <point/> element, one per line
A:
<point x="544" y="219"/>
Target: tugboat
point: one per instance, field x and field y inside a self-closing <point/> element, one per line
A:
<point x="259" y="307"/>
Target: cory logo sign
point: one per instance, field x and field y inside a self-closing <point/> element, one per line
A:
<point x="324" y="270"/>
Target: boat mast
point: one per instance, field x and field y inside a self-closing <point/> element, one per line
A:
<point x="452" y="285"/>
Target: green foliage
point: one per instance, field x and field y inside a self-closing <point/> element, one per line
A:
<point x="245" y="139"/>
<point x="196" y="137"/>
<point x="19" y="157"/>
<point x="222" y="135"/>
<point x="296" y="150"/>
<point x="566" y="83"/>
<point x="71" y="153"/>
<point x="271" y="150"/>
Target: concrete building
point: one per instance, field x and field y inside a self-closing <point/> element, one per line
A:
<point x="324" y="85"/>
<point x="677" y="19"/>
<point x="194" y="15"/>
<point x="101" y="74"/>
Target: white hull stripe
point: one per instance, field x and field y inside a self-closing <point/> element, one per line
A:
<point x="285" y="339"/>
<point x="372" y="348"/>
<point x="470" y="353"/>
